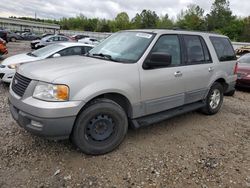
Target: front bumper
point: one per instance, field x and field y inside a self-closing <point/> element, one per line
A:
<point x="53" y="120"/>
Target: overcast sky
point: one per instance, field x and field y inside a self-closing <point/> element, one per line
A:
<point x="108" y="9"/>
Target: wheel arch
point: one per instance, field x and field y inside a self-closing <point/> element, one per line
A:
<point x="223" y="82"/>
<point x="119" y="98"/>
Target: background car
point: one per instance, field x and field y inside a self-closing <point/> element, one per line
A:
<point x="3" y="48"/>
<point x="3" y="35"/>
<point x="13" y="37"/>
<point x="8" y="66"/>
<point x="30" y="36"/>
<point x="78" y="37"/>
<point x="243" y="71"/>
<point x="52" y="39"/>
<point x="34" y="42"/>
<point x="243" y="50"/>
<point x="89" y="40"/>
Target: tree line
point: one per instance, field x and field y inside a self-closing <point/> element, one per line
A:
<point x="220" y="19"/>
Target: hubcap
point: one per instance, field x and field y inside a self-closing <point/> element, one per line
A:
<point x="100" y="127"/>
<point x="215" y="99"/>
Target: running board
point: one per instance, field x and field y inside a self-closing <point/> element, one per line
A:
<point x="158" y="117"/>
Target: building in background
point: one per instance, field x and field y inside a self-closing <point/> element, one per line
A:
<point x="13" y="24"/>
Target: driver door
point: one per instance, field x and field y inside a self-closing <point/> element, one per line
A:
<point x="163" y="88"/>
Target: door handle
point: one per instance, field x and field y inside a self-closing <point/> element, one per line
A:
<point x="178" y="74"/>
<point x="210" y="69"/>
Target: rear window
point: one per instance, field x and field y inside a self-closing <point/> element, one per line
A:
<point x="223" y="48"/>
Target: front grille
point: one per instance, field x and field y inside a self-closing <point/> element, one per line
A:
<point x="20" y="84"/>
<point x="1" y="75"/>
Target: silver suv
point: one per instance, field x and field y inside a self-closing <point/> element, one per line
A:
<point x="134" y="78"/>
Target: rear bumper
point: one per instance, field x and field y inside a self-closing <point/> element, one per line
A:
<point x="243" y="83"/>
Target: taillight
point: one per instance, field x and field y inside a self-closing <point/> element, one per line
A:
<point x="236" y="68"/>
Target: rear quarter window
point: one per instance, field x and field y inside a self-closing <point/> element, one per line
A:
<point x="223" y="48"/>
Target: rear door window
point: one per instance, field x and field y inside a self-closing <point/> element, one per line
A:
<point x="196" y="50"/>
<point x="223" y="48"/>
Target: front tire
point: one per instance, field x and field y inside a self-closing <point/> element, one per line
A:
<point x="100" y="127"/>
<point x="214" y="99"/>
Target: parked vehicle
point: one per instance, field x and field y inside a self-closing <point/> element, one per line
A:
<point x="30" y="36"/>
<point x="242" y="51"/>
<point x="89" y="40"/>
<point x="13" y="37"/>
<point x="3" y="48"/>
<point x="243" y="71"/>
<point x="78" y="37"/>
<point x="34" y="42"/>
<point x="52" y="39"/>
<point x="136" y="77"/>
<point x="3" y="35"/>
<point x="9" y="65"/>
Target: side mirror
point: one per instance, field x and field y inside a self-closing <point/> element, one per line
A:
<point x="157" y="60"/>
<point x="56" y="55"/>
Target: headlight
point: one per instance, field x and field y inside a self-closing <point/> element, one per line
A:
<point x="13" y="66"/>
<point x="51" y="92"/>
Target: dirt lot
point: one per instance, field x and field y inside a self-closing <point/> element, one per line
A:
<point x="192" y="150"/>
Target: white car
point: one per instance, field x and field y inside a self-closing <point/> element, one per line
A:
<point x="8" y="66"/>
<point x="89" y="40"/>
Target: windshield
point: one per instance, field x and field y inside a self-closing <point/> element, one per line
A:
<point x="125" y="46"/>
<point x="47" y="50"/>
<point x="245" y="59"/>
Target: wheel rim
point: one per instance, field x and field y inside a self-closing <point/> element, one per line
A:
<point x="100" y="128"/>
<point x="215" y="99"/>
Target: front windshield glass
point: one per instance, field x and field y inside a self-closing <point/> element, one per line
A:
<point x="47" y="50"/>
<point x="245" y="59"/>
<point x="125" y="46"/>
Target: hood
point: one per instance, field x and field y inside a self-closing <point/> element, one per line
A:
<point x="50" y="69"/>
<point x="20" y="58"/>
<point x="35" y="41"/>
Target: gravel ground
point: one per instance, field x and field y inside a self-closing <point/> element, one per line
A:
<point x="192" y="150"/>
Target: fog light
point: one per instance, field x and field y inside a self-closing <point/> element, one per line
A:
<point x="36" y="124"/>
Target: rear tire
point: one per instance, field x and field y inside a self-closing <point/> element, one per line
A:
<point x="100" y="127"/>
<point x="213" y="100"/>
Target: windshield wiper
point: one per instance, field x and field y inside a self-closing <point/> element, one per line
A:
<point x="30" y="54"/>
<point x="109" y="57"/>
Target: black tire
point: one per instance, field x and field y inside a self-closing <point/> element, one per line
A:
<point x="100" y="127"/>
<point x="12" y="39"/>
<point x="212" y="107"/>
<point x="230" y="93"/>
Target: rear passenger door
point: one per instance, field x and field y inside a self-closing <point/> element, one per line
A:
<point x="198" y="69"/>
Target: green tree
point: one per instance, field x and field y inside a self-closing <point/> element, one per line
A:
<point x="136" y="22"/>
<point x="145" y="20"/>
<point x="149" y="19"/>
<point x="192" y="18"/>
<point x="220" y="15"/>
<point x="245" y="35"/>
<point x="165" y="23"/>
<point x="121" y="21"/>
